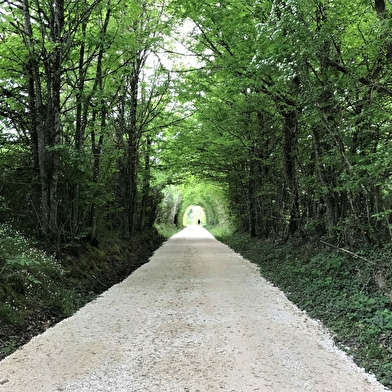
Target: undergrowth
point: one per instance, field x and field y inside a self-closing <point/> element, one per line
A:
<point x="29" y="278"/>
<point x="220" y="231"/>
<point x="37" y="290"/>
<point x="338" y="289"/>
<point x="166" y="230"/>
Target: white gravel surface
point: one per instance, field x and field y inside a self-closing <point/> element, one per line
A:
<point x="197" y="317"/>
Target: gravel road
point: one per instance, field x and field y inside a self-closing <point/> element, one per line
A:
<point x="196" y="318"/>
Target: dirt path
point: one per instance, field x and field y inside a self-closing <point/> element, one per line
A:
<point x="197" y="317"/>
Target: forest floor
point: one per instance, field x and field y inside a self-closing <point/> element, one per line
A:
<point x="197" y="317"/>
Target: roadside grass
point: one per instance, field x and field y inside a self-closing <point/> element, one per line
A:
<point x="166" y="230"/>
<point x="335" y="288"/>
<point x="220" y="231"/>
<point x="28" y="277"/>
<point x="37" y="290"/>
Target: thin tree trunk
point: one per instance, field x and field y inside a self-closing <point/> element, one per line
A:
<point x="145" y="208"/>
<point x="45" y="123"/>
<point x="289" y="147"/>
<point x="383" y="15"/>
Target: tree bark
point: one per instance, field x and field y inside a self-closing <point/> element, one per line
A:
<point x="383" y="16"/>
<point x="289" y="154"/>
<point x="45" y="115"/>
<point x="145" y="209"/>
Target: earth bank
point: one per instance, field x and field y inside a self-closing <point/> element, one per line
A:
<point x="90" y="270"/>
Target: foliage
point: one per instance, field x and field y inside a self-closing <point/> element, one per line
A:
<point x="28" y="277"/>
<point x="286" y="107"/>
<point x="83" y="109"/>
<point x="278" y="127"/>
<point x="166" y="230"/>
<point x="293" y="115"/>
<point x="220" y="231"/>
<point x="335" y="288"/>
<point x="37" y="291"/>
<point x="205" y="194"/>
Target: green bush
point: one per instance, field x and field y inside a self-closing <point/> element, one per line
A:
<point x="28" y="278"/>
<point x="37" y="291"/>
<point x="166" y="230"/>
<point x="220" y="231"/>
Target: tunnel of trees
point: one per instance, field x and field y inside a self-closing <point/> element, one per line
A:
<point x="274" y="117"/>
<point x="283" y="108"/>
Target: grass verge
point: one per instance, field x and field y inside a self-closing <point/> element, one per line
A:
<point x="37" y="291"/>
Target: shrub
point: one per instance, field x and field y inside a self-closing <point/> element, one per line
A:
<point x="28" y="278"/>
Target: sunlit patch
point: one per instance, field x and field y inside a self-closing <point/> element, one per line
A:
<point x="194" y="215"/>
<point x="193" y="232"/>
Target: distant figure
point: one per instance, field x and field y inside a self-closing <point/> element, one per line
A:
<point x="198" y="221"/>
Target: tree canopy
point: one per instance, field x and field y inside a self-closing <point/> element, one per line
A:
<point x="280" y="108"/>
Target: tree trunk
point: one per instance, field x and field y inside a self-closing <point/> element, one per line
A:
<point x="145" y="209"/>
<point x="383" y="15"/>
<point x="80" y="126"/>
<point x="289" y="154"/>
<point x="45" y="117"/>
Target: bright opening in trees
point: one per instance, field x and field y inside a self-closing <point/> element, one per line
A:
<point x="194" y="215"/>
